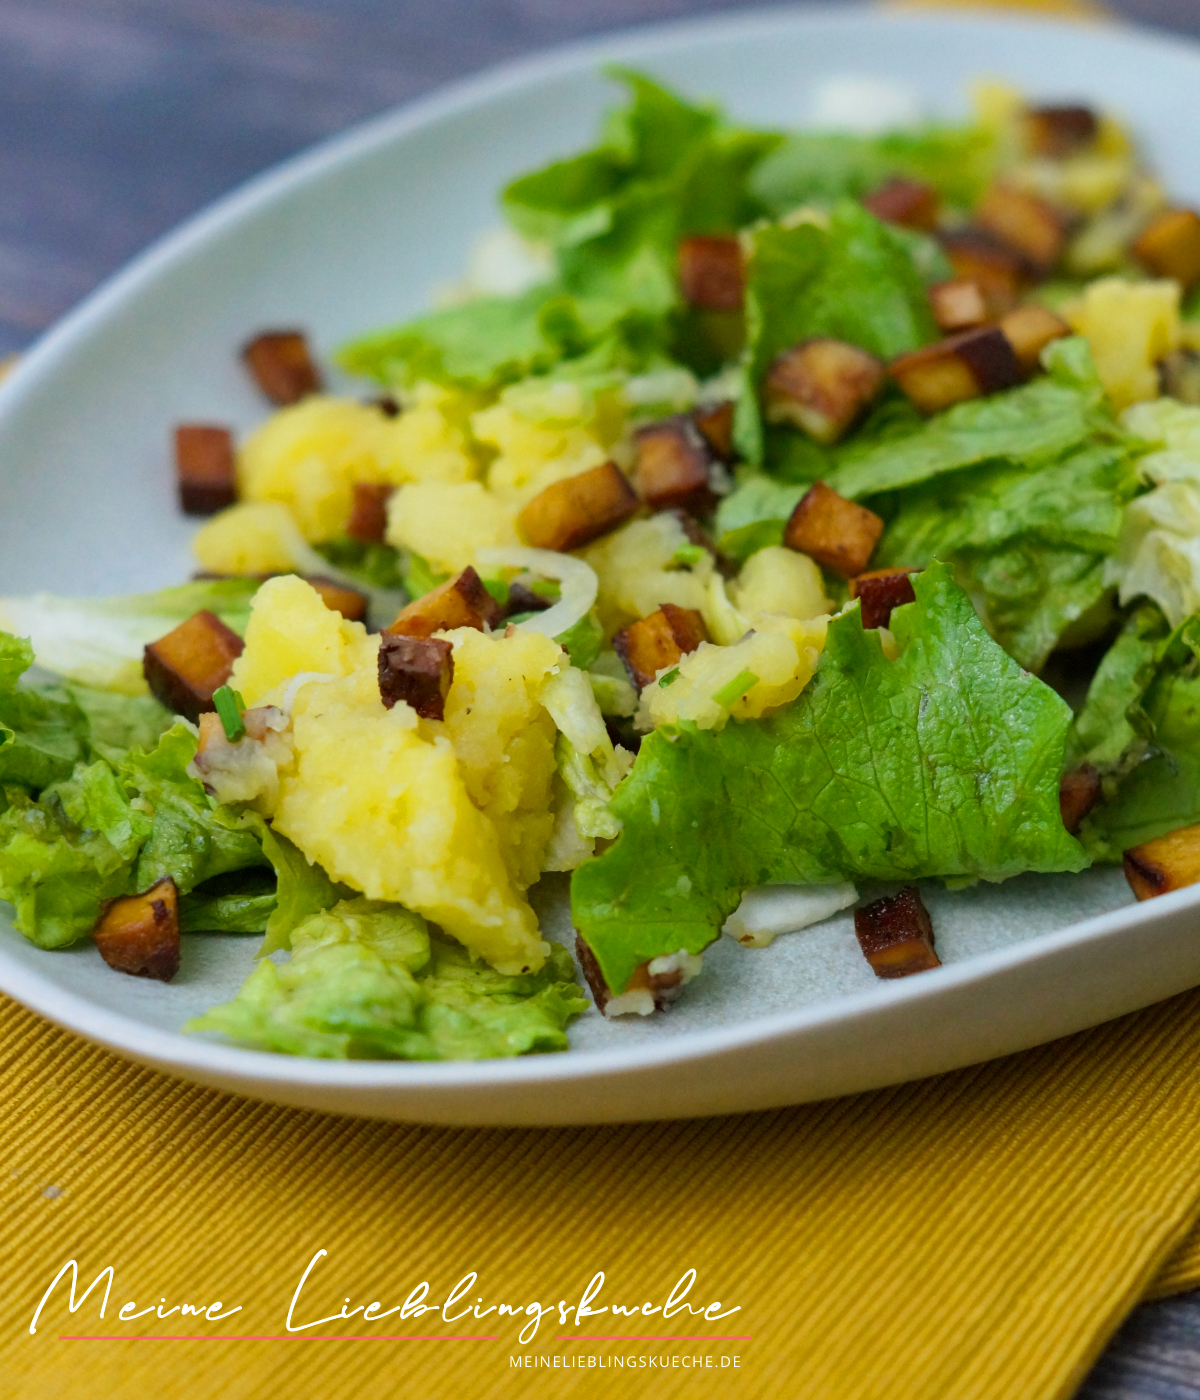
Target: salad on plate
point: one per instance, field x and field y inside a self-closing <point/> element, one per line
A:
<point x="766" y="523"/>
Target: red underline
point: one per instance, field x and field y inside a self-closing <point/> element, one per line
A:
<point x="287" y="1337"/>
<point x="568" y="1337"/>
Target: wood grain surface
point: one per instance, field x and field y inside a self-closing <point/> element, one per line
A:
<point x="118" y="118"/>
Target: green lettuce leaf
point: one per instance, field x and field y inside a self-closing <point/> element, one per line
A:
<point x="1103" y="733"/>
<point x="118" y="723"/>
<point x="43" y="733"/>
<point x="369" y="981"/>
<point x="238" y="903"/>
<point x="945" y="762"/>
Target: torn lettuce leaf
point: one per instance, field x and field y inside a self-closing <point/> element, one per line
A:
<point x="238" y="903"/>
<point x="43" y="732"/>
<point x="368" y="980"/>
<point x="945" y="762"/>
<point x="1103" y="733"/>
<point x="117" y="723"/>
<point x="302" y="888"/>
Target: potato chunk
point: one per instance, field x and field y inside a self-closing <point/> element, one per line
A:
<point x="368" y="513"/>
<point x="578" y="509"/>
<point x="660" y="640"/>
<point x="1078" y="792"/>
<point x="282" y="366"/>
<point x="462" y="601"/>
<point x="961" y="367"/>
<point x="183" y="668"/>
<point x="1058" y="132"/>
<point x="1029" y="330"/>
<point x="711" y="275"/>
<point x="906" y="202"/>
<point x="1024" y="222"/>
<point x="1170" y="246"/>
<point x="896" y="935"/>
<point x="837" y="533"/>
<point x="205" y="467"/>
<point x="998" y="270"/>
<point x="715" y="422"/>
<point x="673" y="465"/>
<point x="1168" y="863"/>
<point x="139" y="934"/>
<point x="959" y="304"/>
<point x="822" y="387"/>
<point x="417" y="670"/>
<point x="879" y="592"/>
<point x="348" y="601"/>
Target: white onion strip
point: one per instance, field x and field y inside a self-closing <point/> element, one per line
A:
<point x="578" y="580"/>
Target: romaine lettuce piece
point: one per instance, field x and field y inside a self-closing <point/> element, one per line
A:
<point x="945" y="762"/>
<point x="43" y="733"/>
<point x="118" y="723"/>
<point x="239" y="903"/>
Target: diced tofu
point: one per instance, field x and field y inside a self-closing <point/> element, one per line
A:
<point x="715" y="422"/>
<point x="711" y="274"/>
<point x="998" y="270"/>
<point x="206" y="468"/>
<point x="1058" y="132"/>
<point x="879" y="592"/>
<point x="658" y="641"/>
<point x="368" y="513"/>
<point x="1078" y="793"/>
<point x="578" y="509"/>
<point x="964" y="366"/>
<point x="1168" y="863"/>
<point x="1170" y="246"/>
<point x="462" y="601"/>
<point x="839" y="534"/>
<point x="673" y="464"/>
<point x="822" y="387"/>
<point x="1025" y="222"/>
<point x="896" y="935"/>
<point x="652" y="986"/>
<point x="348" y="601"/>
<point x="906" y="202"/>
<point x="183" y="668"/>
<point x="139" y="934"/>
<point x="417" y="670"/>
<point x="522" y="599"/>
<point x="282" y="366"/>
<point x="1029" y="330"/>
<point x="959" y="304"/>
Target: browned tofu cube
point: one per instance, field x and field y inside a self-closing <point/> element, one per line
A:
<point x="1078" y="792"/>
<point x="959" y="304"/>
<point x="715" y="422"/>
<point x="711" y="274"/>
<point x="664" y="987"/>
<point x="282" y="366"/>
<point x="879" y="592"/>
<point x="368" y="514"/>
<point x="999" y="271"/>
<point x="1029" y="330"/>
<point x="1179" y="376"/>
<point x="673" y="465"/>
<point x="838" y="534"/>
<point x="1024" y="222"/>
<point x="1060" y="131"/>
<point x="822" y="386"/>
<point x="387" y="406"/>
<point x="906" y="202"/>
<point x="1168" y="863"/>
<point x="183" y="668"/>
<point x="663" y="639"/>
<point x="572" y="513"/>
<point x="523" y="599"/>
<point x="462" y="601"/>
<point x="205" y="468"/>
<point x="336" y="596"/>
<point x="417" y="670"/>
<point x="1170" y="246"/>
<point x="963" y="366"/>
<point x="896" y="935"/>
<point x="139" y="934"/>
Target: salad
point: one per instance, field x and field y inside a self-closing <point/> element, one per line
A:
<point x="764" y="514"/>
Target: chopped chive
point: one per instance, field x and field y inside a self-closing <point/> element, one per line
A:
<point x="225" y="702"/>
<point x="498" y="588"/>
<point x="546" y="588"/>
<point x="687" y="556"/>
<point x="732" y="691"/>
<point x="671" y="676"/>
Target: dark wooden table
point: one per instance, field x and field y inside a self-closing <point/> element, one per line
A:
<point x="120" y="117"/>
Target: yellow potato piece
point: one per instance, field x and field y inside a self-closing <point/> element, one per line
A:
<point x="248" y="538"/>
<point x="447" y="522"/>
<point x="1130" y="326"/>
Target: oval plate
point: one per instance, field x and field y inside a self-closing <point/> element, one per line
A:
<point x="353" y="235"/>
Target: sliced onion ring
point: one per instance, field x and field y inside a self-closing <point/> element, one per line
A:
<point x="578" y="580"/>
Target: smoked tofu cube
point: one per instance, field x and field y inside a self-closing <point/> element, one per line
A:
<point x="879" y="592"/>
<point x="959" y="304"/>
<point x="183" y="668"/>
<point x="998" y="270"/>
<point x="205" y="468"/>
<point x="577" y="510"/>
<point x="838" y="534"/>
<point x="1029" y="330"/>
<point x="822" y="386"/>
<point x="652" y="985"/>
<point x="896" y="935"/>
<point x="1170" y="246"/>
<point x="1168" y="863"/>
<point x="715" y="422"/>
<point x="964" y="366"/>
<point x="906" y="202"/>
<point x="1078" y="792"/>
<point x="663" y="639"/>
<point x="282" y="366"/>
<point x="1026" y="223"/>
<point x="673" y="465"/>
<point x="417" y="670"/>
<point x="139" y="934"/>
<point x="368" y="514"/>
<point x="1058" y="132"/>
<point x="711" y="273"/>
<point x="462" y="601"/>
<point x="348" y="601"/>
